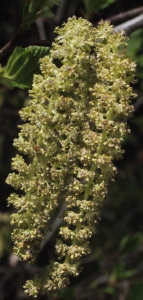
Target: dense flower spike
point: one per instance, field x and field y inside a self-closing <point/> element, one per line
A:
<point x="74" y="127"/>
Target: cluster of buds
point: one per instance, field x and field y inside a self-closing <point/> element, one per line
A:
<point x="73" y="129"/>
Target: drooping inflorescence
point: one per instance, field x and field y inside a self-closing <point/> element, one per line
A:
<point x="73" y="129"/>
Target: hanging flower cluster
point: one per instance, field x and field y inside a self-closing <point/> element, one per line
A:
<point x="73" y="129"/>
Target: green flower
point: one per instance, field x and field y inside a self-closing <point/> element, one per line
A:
<point x="73" y="130"/>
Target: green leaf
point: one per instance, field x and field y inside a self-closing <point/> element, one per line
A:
<point x="21" y="66"/>
<point x="107" y="290"/>
<point x="34" y="9"/>
<point x="130" y="243"/>
<point x="120" y="272"/>
<point x="45" y="13"/>
<point x="134" y="50"/>
<point x="92" y="6"/>
<point x="25" y="8"/>
<point x="135" y="44"/>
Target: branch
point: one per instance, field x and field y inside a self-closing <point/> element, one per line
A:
<point x="66" y="9"/>
<point x="7" y="48"/>
<point x="55" y="225"/>
<point x="130" y="25"/>
<point x="126" y="14"/>
<point x="41" y="30"/>
<point x="20" y="39"/>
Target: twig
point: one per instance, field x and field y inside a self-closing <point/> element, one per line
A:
<point x="6" y="49"/>
<point x="55" y="224"/>
<point x="20" y="39"/>
<point x="126" y="14"/>
<point x="130" y="25"/>
<point x="41" y="30"/>
<point x="66" y="9"/>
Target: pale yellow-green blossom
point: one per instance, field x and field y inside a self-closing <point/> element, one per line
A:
<point x="74" y="126"/>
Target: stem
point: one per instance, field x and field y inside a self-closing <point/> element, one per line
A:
<point x="126" y="14"/>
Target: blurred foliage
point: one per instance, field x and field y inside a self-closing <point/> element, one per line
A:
<point x="114" y="270"/>
<point x="92" y="6"/>
<point x="135" y="50"/>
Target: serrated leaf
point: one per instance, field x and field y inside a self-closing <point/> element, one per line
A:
<point x="21" y="66"/>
